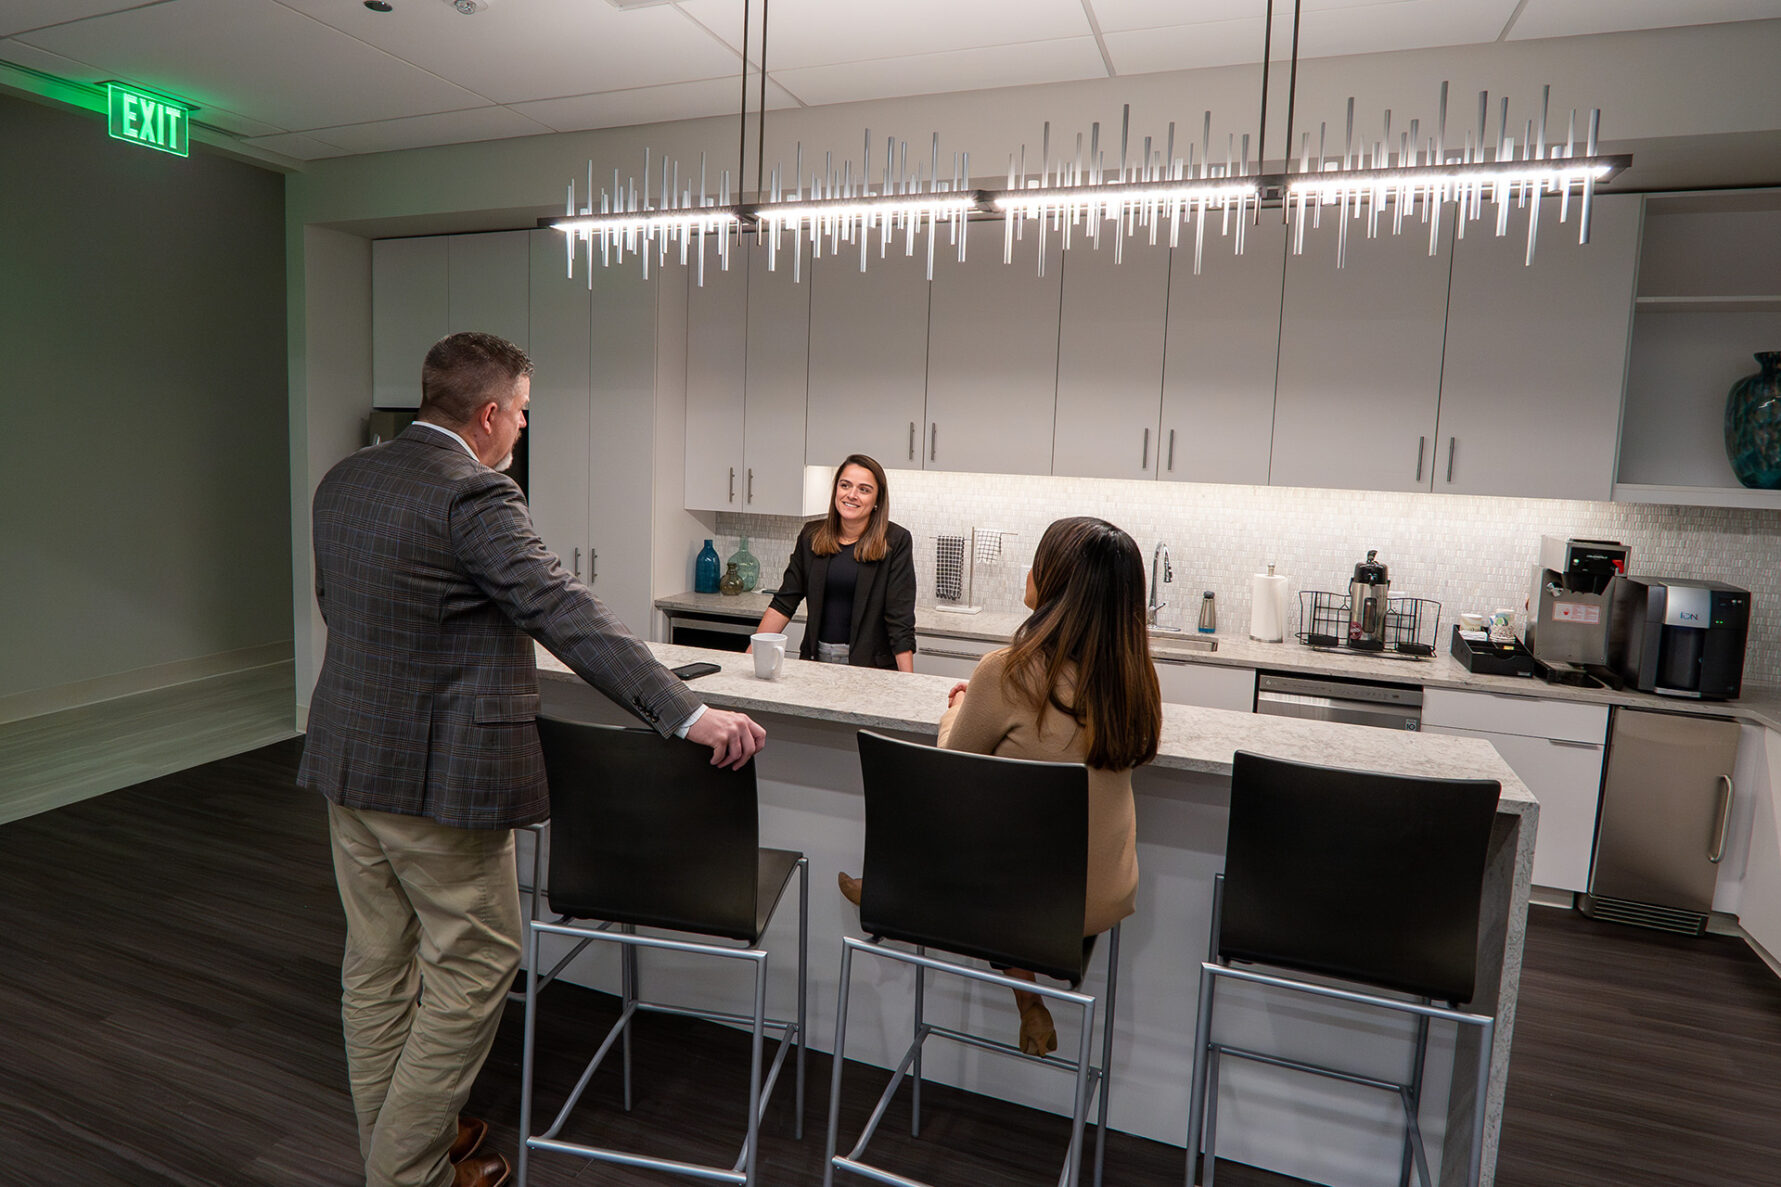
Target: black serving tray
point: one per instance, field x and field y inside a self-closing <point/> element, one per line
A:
<point x="1492" y="659"/>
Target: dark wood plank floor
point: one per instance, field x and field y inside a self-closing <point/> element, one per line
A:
<point x="169" y="1015"/>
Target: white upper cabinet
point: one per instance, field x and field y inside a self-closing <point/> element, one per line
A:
<point x="1110" y="358"/>
<point x="1536" y="354"/>
<point x="1360" y="357"/>
<point x="868" y="357"/>
<point x="716" y="358"/>
<point x="992" y="356"/>
<point x="408" y="315"/>
<point x="423" y="289"/>
<point x="558" y="423"/>
<point x="487" y="285"/>
<point x="1218" y="364"/>
<point x="777" y="383"/>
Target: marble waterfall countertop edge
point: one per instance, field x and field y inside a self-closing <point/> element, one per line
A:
<point x="1193" y="739"/>
<point x="1760" y="703"/>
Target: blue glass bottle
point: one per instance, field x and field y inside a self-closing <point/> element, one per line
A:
<point x="707" y="571"/>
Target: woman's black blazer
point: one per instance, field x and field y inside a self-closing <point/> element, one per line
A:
<point x="883" y="601"/>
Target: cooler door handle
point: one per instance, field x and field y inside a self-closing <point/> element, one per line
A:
<point x="1725" y="817"/>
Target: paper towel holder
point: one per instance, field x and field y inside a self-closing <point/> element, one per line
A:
<point x="1267" y="608"/>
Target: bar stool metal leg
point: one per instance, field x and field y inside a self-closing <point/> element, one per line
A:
<point x="627" y="978"/>
<point x="526" y="1045"/>
<point x="921" y="986"/>
<point x="803" y="986"/>
<point x="1106" y="1079"/>
<point x="840" y="1058"/>
<point x="1413" y="1099"/>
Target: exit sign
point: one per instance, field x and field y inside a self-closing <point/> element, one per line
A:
<point x="150" y="120"/>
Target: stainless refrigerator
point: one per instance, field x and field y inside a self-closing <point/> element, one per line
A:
<point x="1666" y="804"/>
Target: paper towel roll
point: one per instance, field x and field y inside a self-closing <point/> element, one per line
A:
<point x="1267" y="608"/>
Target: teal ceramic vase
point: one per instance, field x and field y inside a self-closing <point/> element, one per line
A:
<point x="1753" y="425"/>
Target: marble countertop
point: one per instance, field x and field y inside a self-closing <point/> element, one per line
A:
<point x="1760" y="703"/>
<point x="1193" y="739"/>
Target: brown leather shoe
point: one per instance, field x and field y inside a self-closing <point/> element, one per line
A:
<point x="850" y="887"/>
<point x="480" y="1170"/>
<point x="471" y="1131"/>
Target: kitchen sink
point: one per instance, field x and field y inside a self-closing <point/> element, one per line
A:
<point x="1183" y="639"/>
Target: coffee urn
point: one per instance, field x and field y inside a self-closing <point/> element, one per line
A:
<point x="1367" y="602"/>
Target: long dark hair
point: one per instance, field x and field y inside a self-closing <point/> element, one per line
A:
<point x="1089" y="576"/>
<point x="826" y="540"/>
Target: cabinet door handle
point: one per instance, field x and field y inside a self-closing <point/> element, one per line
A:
<point x="1171" y="451"/>
<point x="1451" y="441"/>
<point x="911" y="440"/>
<point x="933" y="439"/>
<point x="751" y="484"/>
<point x="732" y="484"/>
<point x="1144" y="458"/>
<point x="1421" y="445"/>
<point x="1725" y="817"/>
<point x="576" y="567"/>
<point x="593" y="565"/>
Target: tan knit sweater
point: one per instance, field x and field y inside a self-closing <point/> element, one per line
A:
<point x="987" y="721"/>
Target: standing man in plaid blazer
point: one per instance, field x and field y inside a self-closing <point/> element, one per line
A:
<point x="421" y="735"/>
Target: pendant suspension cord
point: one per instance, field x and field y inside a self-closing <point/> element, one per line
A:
<point x="760" y="131"/>
<point x="742" y="113"/>
<point x="1261" y="135"/>
<point x="1292" y="93"/>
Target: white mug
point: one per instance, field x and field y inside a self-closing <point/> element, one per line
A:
<point x="769" y="655"/>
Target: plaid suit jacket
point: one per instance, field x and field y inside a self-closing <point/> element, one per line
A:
<point x="431" y="578"/>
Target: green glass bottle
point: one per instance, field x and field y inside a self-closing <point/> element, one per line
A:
<point x="746" y="565"/>
<point x="731" y="583"/>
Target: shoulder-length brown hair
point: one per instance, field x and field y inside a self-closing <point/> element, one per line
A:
<point x="1089" y="577"/>
<point x="826" y="540"/>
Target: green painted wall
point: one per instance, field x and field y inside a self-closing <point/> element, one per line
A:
<point x="144" y="460"/>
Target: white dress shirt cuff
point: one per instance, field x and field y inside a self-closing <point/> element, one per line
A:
<point x="689" y="722"/>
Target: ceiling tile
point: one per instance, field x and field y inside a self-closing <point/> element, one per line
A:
<point x="259" y="58"/>
<point x="298" y="145"/>
<point x="18" y="15"/>
<point x="1065" y="60"/>
<point x="1332" y="29"/>
<point x="676" y="101"/>
<point x="30" y="56"/>
<point x="538" y="49"/>
<point x="803" y="33"/>
<point x="1565" y="18"/>
<point x="420" y="131"/>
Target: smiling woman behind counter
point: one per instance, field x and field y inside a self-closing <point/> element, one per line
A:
<point x="858" y="570"/>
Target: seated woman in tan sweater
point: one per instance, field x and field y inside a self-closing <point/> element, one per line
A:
<point x="1076" y="685"/>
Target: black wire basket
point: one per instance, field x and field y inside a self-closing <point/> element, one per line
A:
<point x="1412" y="625"/>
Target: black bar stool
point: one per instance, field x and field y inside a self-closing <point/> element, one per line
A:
<point x="647" y="833"/>
<point x="1366" y="878"/>
<point x="979" y="857"/>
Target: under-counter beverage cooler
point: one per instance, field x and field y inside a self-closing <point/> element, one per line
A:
<point x="1666" y="805"/>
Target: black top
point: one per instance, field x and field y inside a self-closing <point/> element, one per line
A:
<point x="883" y="616"/>
<point x="837" y="606"/>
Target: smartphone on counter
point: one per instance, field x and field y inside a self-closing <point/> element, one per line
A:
<point x="694" y="671"/>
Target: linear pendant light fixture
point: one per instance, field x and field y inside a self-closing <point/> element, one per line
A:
<point x="1156" y="196"/>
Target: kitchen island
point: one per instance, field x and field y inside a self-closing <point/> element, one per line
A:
<point x="810" y="800"/>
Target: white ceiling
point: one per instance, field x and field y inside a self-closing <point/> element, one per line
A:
<point x="325" y="78"/>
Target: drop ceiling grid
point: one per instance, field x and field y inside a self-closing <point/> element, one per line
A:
<point x="1568" y="18"/>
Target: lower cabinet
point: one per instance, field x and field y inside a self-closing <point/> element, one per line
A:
<point x="937" y="655"/>
<point x="1556" y="748"/>
<point x="1206" y="686"/>
<point x="1759" y="908"/>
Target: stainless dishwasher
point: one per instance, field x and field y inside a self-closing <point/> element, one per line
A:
<point x="1354" y="702"/>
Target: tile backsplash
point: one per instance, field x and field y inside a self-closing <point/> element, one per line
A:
<point x="1466" y="552"/>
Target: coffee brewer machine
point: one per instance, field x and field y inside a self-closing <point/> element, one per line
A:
<point x="1680" y="637"/>
<point x="1569" y="610"/>
<point x="1368" y="604"/>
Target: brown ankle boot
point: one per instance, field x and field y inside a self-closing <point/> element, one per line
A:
<point x="850" y="887"/>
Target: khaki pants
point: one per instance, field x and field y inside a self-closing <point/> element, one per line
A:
<point x="432" y="943"/>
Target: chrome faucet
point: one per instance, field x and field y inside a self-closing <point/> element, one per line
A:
<point x="1160" y="573"/>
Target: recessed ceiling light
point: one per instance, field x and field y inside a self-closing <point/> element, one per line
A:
<point x="379" y="5"/>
